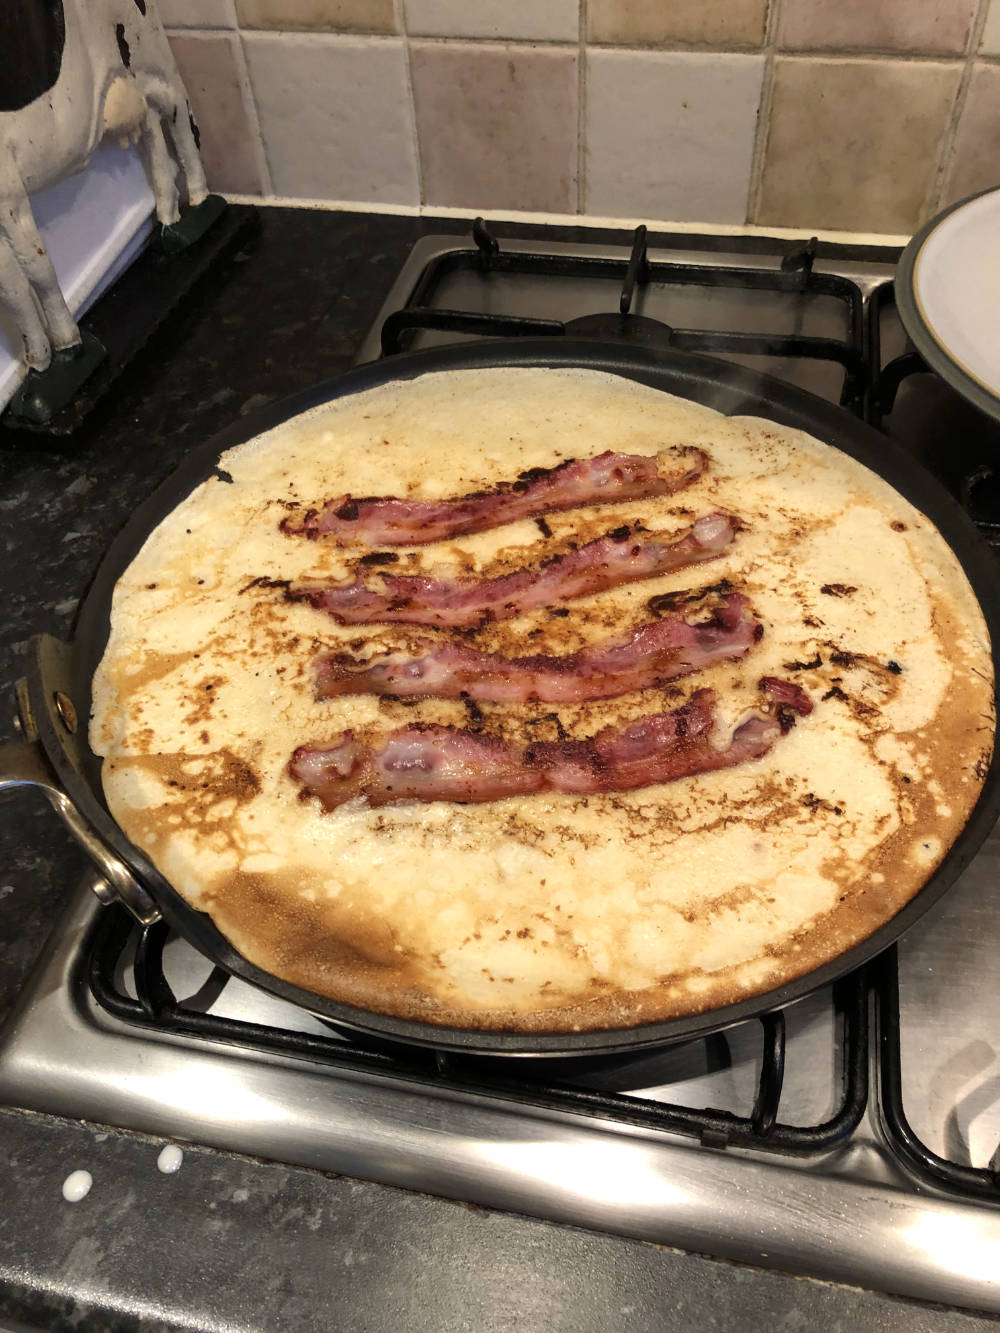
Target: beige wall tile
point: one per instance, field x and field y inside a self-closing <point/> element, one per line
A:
<point x="530" y="20"/>
<point x="197" y="13"/>
<point x="877" y="25"/>
<point x="990" y="43"/>
<point x="669" y="22"/>
<point x="212" y="76"/>
<point x="335" y="116"/>
<point x="497" y="125"/>
<point x="670" y="134"/>
<point x="326" y="15"/>
<point x="975" y="162"/>
<point x="854" y="143"/>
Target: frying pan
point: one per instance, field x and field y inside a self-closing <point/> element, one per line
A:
<point x="54" y="698"/>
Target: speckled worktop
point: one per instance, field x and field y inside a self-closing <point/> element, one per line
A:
<point x="229" y="1242"/>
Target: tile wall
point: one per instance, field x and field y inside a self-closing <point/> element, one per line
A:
<point x="864" y="115"/>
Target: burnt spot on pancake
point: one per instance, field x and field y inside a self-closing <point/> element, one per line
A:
<point x="811" y="665"/>
<point x="379" y="558"/>
<point x="551" y="727"/>
<point x="233" y="777"/>
<point x="864" y="711"/>
<point x="666" y="602"/>
<point x="264" y="582"/>
<point x="787" y="717"/>
<point x="543" y="527"/>
<point x="202" y="700"/>
<point x="475" y="713"/>
<point x="838" y="589"/>
<point x="815" y="803"/>
<point x="842" y="659"/>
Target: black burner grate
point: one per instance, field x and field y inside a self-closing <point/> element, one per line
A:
<point x="795" y="276"/>
<point x="921" y="1161"/>
<point x="537" y="1084"/>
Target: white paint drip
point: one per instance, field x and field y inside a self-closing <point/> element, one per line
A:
<point x="76" y="1186"/>
<point x="170" y="1159"/>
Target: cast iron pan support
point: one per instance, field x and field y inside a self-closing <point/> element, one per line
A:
<point x="23" y="764"/>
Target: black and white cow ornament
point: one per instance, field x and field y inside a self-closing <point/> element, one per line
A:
<point x="72" y="72"/>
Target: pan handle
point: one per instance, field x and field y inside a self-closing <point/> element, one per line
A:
<point x="23" y="764"/>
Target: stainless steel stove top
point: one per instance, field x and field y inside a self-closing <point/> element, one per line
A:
<point x="241" y="1071"/>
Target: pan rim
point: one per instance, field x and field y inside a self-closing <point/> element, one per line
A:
<point x="759" y="395"/>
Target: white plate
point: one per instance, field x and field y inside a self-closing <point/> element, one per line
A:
<point x="948" y="293"/>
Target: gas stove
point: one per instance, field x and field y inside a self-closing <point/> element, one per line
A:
<point x="852" y="1137"/>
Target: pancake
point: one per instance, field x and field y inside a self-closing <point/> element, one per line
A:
<point x="547" y="912"/>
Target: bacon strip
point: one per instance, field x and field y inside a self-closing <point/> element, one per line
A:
<point x="606" y="479"/>
<point x="622" y="556"/>
<point x="434" y="763"/>
<point x="651" y="655"/>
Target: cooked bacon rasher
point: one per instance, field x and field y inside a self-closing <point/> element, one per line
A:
<point x="649" y="656"/>
<point x="436" y="763"/>
<point x="623" y="556"/>
<point x="608" y="478"/>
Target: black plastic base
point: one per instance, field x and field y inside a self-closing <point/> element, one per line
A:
<point x="130" y="313"/>
<point x="192" y="225"/>
<point x="45" y="393"/>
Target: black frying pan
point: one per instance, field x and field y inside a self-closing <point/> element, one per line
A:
<point x="57" y="688"/>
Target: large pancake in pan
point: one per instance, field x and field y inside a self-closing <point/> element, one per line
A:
<point x="546" y="913"/>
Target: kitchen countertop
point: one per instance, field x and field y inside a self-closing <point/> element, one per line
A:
<point x="230" y="1242"/>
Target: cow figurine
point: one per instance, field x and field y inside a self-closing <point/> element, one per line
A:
<point x="109" y="70"/>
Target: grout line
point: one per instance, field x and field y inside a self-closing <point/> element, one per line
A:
<point x="763" y="129"/>
<point x="868" y="53"/>
<point x="318" y="35"/>
<point x="581" y="111"/>
<point x="498" y="39"/>
<point x="414" y="131"/>
<point x="932" y="202"/>
<point x="872" y="55"/>
<point x="253" y="116"/>
<point x="625" y="224"/>
<point x="201" y="32"/>
<point x="332" y="35"/>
